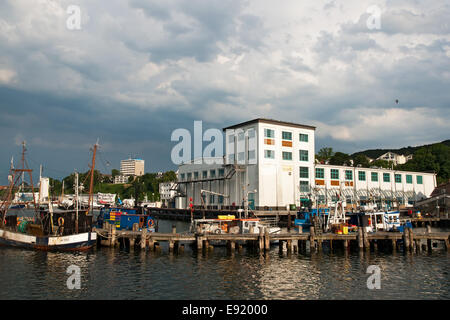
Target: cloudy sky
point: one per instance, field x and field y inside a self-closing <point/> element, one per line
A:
<point x="138" y="69"/>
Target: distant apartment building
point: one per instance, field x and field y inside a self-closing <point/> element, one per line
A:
<point x="280" y="170"/>
<point x="120" y="179"/>
<point x="132" y="167"/>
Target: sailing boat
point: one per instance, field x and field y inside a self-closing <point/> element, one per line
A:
<point x="48" y="230"/>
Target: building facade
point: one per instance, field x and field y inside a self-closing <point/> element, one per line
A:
<point x="132" y="167"/>
<point x="271" y="164"/>
<point x="167" y="193"/>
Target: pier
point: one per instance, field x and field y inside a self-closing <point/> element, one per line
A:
<point x="290" y="242"/>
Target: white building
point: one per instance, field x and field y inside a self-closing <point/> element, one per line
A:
<point x="132" y="167"/>
<point x="273" y="163"/>
<point x="120" y="179"/>
<point x="395" y="158"/>
<point x="268" y="154"/>
<point x="383" y="186"/>
<point x="167" y="192"/>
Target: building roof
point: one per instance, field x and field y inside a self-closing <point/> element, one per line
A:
<point x="271" y="121"/>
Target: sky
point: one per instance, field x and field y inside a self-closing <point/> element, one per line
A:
<point x="130" y="72"/>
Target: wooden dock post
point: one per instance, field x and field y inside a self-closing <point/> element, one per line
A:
<point x="311" y="239"/>
<point x="360" y="238"/>
<point x="180" y="248"/>
<point x="394" y="245"/>
<point x="280" y="246"/>
<point x="300" y="229"/>
<point x="261" y="240"/>
<point x="366" y="240"/>
<point x="144" y="239"/>
<point x="406" y="239"/>
<point x="411" y="239"/>
<point x="289" y="246"/>
<point x="171" y="246"/>
<point x="151" y="244"/>
<point x="132" y="243"/>
<point x="266" y="239"/>
<point x="417" y="245"/>
<point x="199" y="243"/>
<point x="447" y="244"/>
<point x="331" y="245"/>
<point x="231" y="246"/>
<point x="113" y="235"/>
<point x="174" y="229"/>
<point x="345" y="244"/>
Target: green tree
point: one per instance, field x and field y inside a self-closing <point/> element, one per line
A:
<point x="324" y="154"/>
<point x="115" y="172"/>
<point x="340" y="159"/>
<point x="380" y="163"/>
<point x="361" y="160"/>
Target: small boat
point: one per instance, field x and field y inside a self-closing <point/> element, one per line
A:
<point x="377" y="221"/>
<point x="305" y="218"/>
<point x="17" y="206"/>
<point x="126" y="219"/>
<point x="229" y="224"/>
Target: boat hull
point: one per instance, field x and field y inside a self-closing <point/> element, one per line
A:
<point x="76" y="242"/>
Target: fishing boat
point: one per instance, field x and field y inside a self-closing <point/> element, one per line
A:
<point x="46" y="230"/>
<point x="377" y="221"/>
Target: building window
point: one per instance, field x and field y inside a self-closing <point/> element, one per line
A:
<point x="374" y="176"/>
<point x="221" y="172"/>
<point x="195" y="175"/>
<point x="334" y="174"/>
<point x="287" y="155"/>
<point x="386" y="177"/>
<point x="398" y="178"/>
<point x="286" y="135"/>
<point x="231" y="158"/>
<point x="304" y="186"/>
<point x="212" y="173"/>
<point x="269" y="154"/>
<point x="189" y="176"/>
<point x="251" y="155"/>
<point x="220" y="199"/>
<point x="269" y="133"/>
<point x="303" y="155"/>
<point x="419" y="180"/>
<point x="205" y="174"/>
<point x="182" y="176"/>
<point x="241" y="156"/>
<point x="348" y="175"/>
<point x="303" y="137"/>
<point x="409" y="178"/>
<point x="304" y="172"/>
<point x="320" y="174"/>
<point x="361" y="175"/>
<point x="211" y="198"/>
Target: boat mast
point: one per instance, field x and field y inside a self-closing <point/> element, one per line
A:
<point x="15" y="177"/>
<point x="76" y="202"/>
<point x="91" y="187"/>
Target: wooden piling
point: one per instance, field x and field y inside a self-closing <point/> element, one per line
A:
<point x="405" y="239"/>
<point x="311" y="239"/>
<point x="447" y="244"/>
<point x="174" y="229"/>
<point x="171" y="246"/>
<point x="411" y="239"/>
<point x="266" y="239"/>
<point x="345" y="244"/>
<point x="113" y="235"/>
<point x="300" y="229"/>
<point x="132" y="243"/>
<point x="261" y="240"/>
<point x="360" y="239"/>
<point x="199" y="243"/>
<point x="366" y="240"/>
<point x="289" y="246"/>
<point x="144" y="238"/>
<point x="394" y="244"/>
<point x="151" y="244"/>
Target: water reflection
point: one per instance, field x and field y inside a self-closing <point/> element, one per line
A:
<point x="114" y="273"/>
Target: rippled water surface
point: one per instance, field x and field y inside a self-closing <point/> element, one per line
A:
<point x="108" y="273"/>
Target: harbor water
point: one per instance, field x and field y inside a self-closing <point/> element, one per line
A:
<point x="117" y="273"/>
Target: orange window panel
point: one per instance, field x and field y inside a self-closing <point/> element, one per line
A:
<point x="335" y="182"/>
<point x="320" y="182"/>
<point x="269" y="141"/>
<point x="286" y="143"/>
